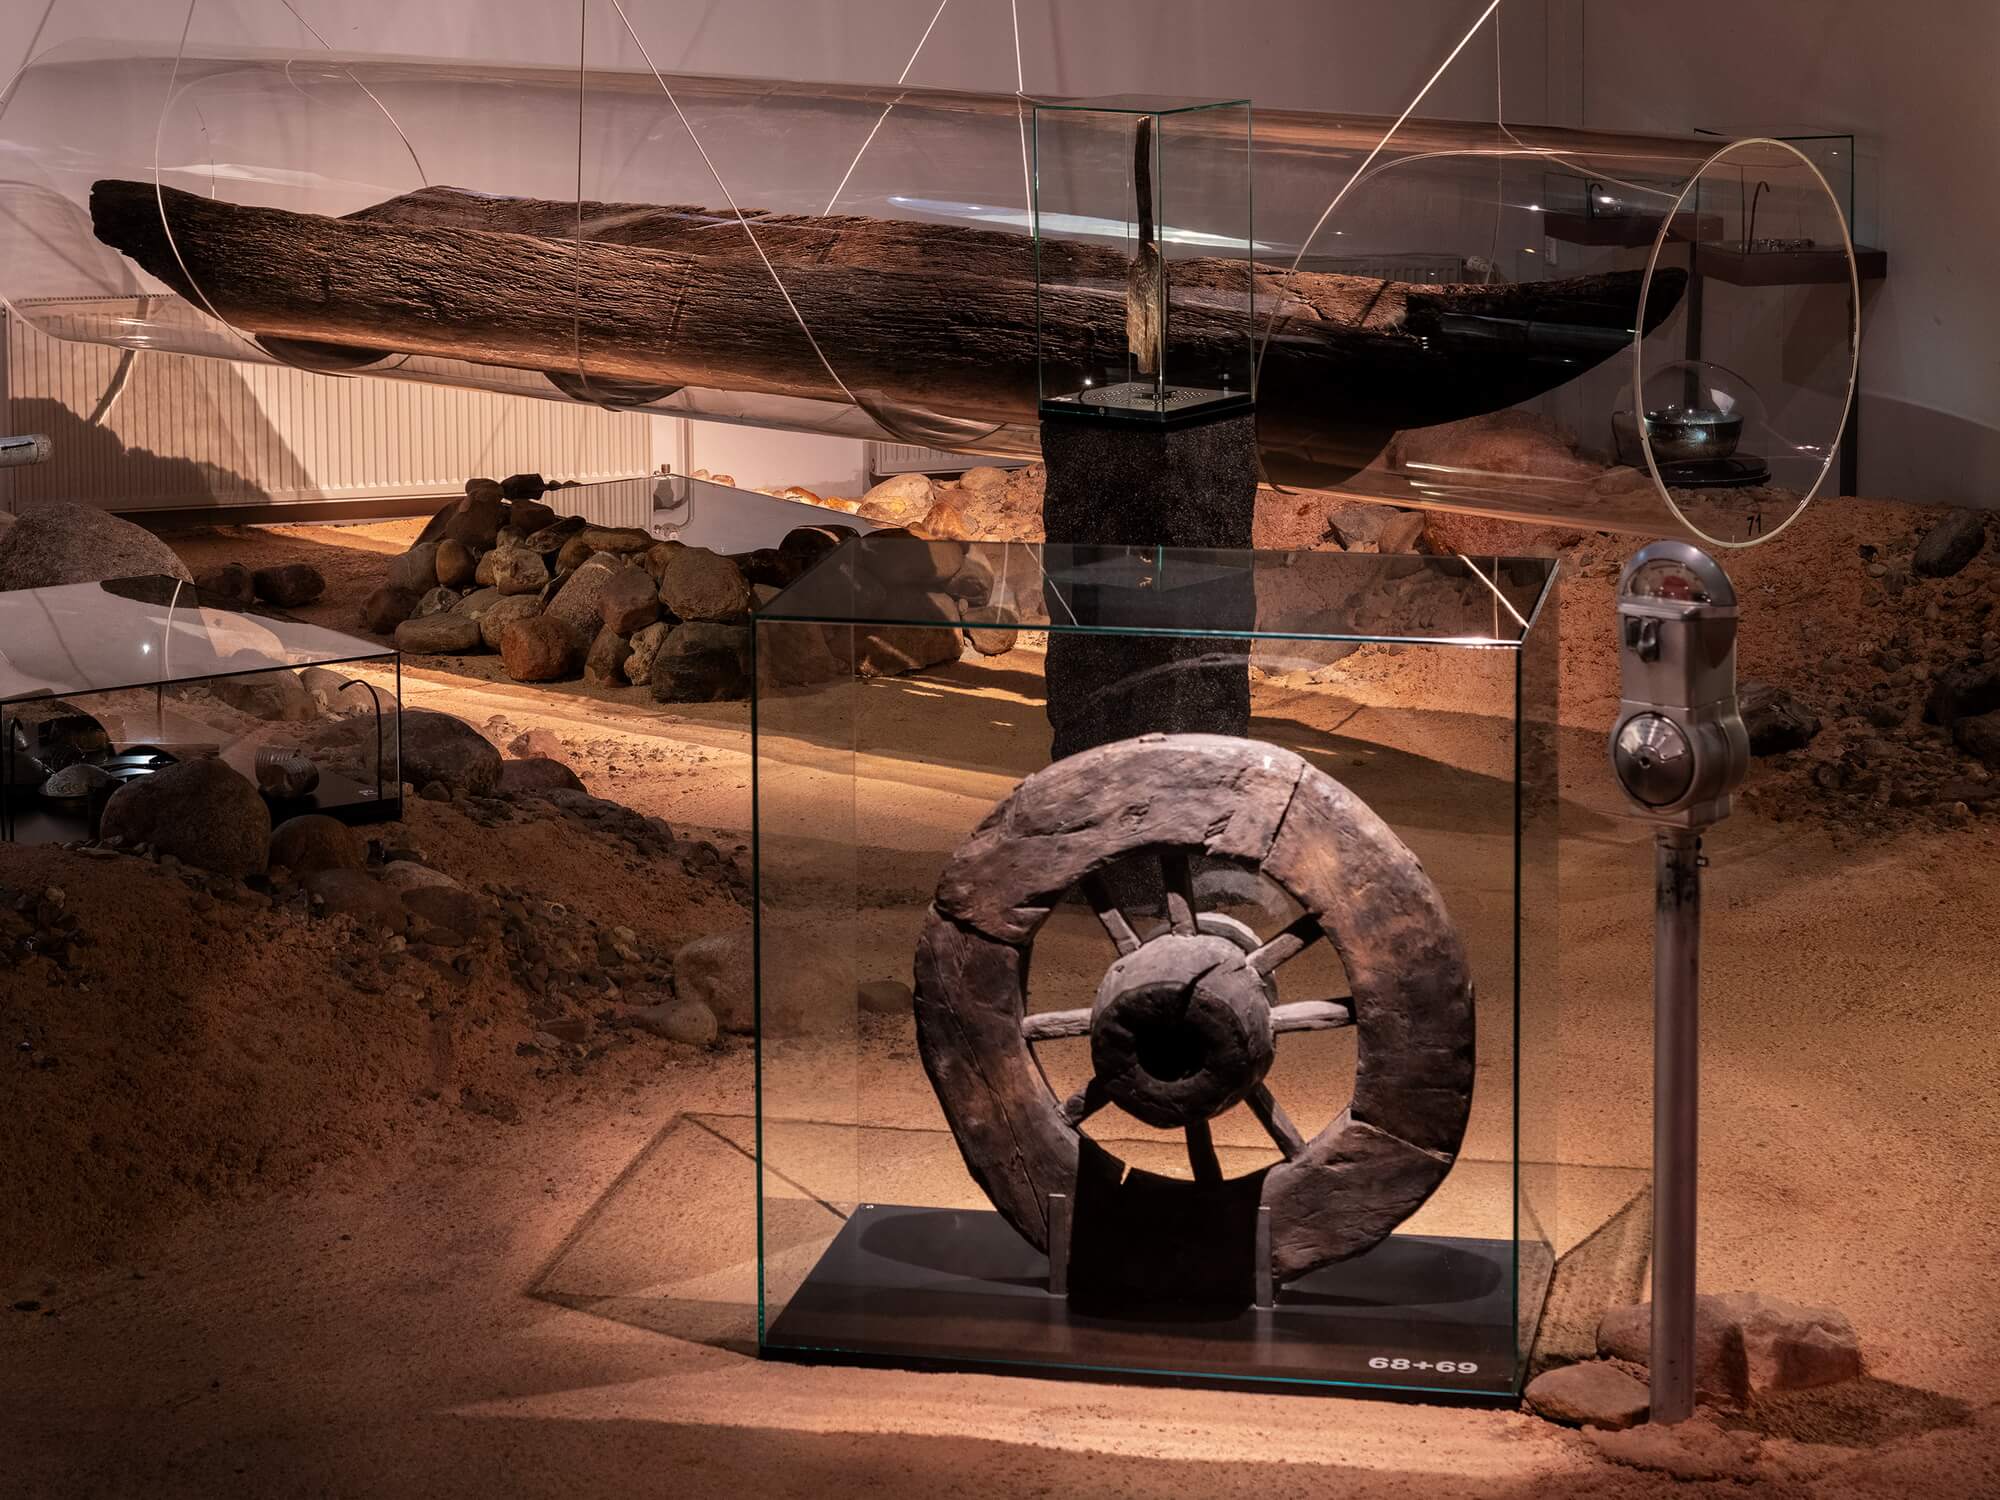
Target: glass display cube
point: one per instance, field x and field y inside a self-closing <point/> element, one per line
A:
<point x="1143" y="258"/>
<point x="957" y="1163"/>
<point x="104" y="683"/>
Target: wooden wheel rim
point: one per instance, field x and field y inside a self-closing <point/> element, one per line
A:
<point x="1257" y="805"/>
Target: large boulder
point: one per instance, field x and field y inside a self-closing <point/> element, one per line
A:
<point x="443" y="634"/>
<point x="1594" y="1393"/>
<point x="549" y="540"/>
<point x="656" y="557"/>
<point x="578" y="604"/>
<point x="475" y="604"/>
<point x="529" y="516"/>
<point x="991" y="629"/>
<point x="231" y="582"/>
<point x="200" y="811"/>
<point x="1979" y="737"/>
<point x="631" y="601"/>
<point x="434" y="528"/>
<point x="990" y="505"/>
<point x="509" y="610"/>
<point x="768" y="567"/>
<point x="1746" y="1344"/>
<point x="932" y="636"/>
<point x="343" y="892"/>
<point x="478" y="521"/>
<point x="900" y="500"/>
<point x="794" y="652"/>
<point x="439" y="600"/>
<point x="1948" y="546"/>
<point x="810" y="543"/>
<point x="57" y="543"/>
<point x="313" y="841"/>
<point x="897" y="556"/>
<point x="686" y="1021"/>
<point x="514" y="570"/>
<point x="289" y="585"/>
<point x="440" y="747"/>
<point x="1972" y="687"/>
<point x="415" y="570"/>
<point x="456" y="564"/>
<point x="275" y="695"/>
<point x="604" y="664"/>
<point x="702" y="662"/>
<point x="718" y="970"/>
<point x="619" y="541"/>
<point x="538" y="773"/>
<point x="386" y="608"/>
<point x="540" y="649"/>
<point x="696" y="584"/>
<point x="645" y="647"/>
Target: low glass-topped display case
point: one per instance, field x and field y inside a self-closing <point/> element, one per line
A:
<point x="102" y="684"/>
<point x="1142" y="258"/>
<point x="1215" y="1055"/>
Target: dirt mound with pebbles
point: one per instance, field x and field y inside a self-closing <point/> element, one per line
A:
<point x="177" y="1036"/>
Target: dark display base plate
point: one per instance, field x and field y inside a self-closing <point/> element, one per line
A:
<point x="959" y="1288"/>
<point x="1741" y="472"/>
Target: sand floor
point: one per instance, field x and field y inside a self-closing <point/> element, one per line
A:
<point x="565" y="1305"/>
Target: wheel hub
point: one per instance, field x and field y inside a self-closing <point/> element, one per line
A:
<point x="1181" y="1029"/>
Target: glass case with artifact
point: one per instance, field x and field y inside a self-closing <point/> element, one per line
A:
<point x="1142" y="257"/>
<point x="1220" y="1055"/>
<point x="104" y="684"/>
<point x="1439" y="312"/>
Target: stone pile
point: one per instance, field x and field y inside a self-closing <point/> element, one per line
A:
<point x="1747" y="1347"/>
<point x="983" y="504"/>
<point x="559" y="598"/>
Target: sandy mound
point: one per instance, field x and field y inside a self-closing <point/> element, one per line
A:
<point x="179" y="1037"/>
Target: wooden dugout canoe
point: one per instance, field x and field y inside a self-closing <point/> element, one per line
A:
<point x="911" y="316"/>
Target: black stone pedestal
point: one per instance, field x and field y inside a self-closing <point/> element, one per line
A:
<point x="1116" y="485"/>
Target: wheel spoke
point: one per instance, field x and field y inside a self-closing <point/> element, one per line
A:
<point x="1049" y="1025"/>
<point x="1179" y="876"/>
<point x="1287" y="945"/>
<point x="1201" y="1153"/>
<point x="1085" y="1102"/>
<point x="1098" y="894"/>
<point x="1312" y="1015"/>
<point x="1265" y="1106"/>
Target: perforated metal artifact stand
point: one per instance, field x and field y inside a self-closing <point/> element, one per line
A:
<point x="1189" y="1086"/>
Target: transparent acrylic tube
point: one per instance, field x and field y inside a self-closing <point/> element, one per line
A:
<point x="824" y="248"/>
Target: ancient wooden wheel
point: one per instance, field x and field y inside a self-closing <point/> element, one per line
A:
<point x="1185" y="1022"/>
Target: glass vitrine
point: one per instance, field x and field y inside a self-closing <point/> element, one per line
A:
<point x="104" y="683"/>
<point x="910" y="1104"/>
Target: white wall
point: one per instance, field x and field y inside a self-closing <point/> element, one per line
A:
<point x="1915" y="82"/>
<point x="1917" y="85"/>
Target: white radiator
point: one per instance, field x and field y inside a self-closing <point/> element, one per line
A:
<point x="885" y="459"/>
<point x="177" y="432"/>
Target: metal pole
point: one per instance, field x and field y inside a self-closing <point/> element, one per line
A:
<point x="1676" y="1116"/>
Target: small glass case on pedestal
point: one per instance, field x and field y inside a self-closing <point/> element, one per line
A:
<point x="103" y="684"/>
<point x="1143" y="258"/>
<point x="987" y="1138"/>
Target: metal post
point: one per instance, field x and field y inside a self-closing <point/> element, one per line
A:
<point x="1266" y="1291"/>
<point x="1676" y="1116"/>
